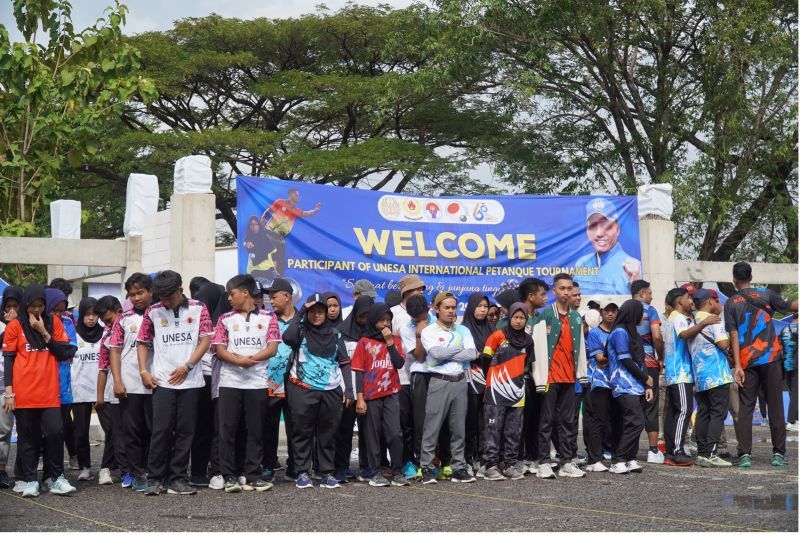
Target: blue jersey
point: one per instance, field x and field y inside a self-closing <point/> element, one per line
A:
<point x="316" y="372"/>
<point x="599" y="376"/>
<point x="611" y="278"/>
<point x="678" y="358"/>
<point x="709" y="362"/>
<point x="276" y="366"/>
<point x="617" y="350"/>
<point x="650" y="321"/>
<point x="65" y="366"/>
<point x="789" y="341"/>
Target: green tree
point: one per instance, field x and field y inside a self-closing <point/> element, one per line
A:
<point x="355" y="98"/>
<point x="699" y="94"/>
<point x="58" y="87"/>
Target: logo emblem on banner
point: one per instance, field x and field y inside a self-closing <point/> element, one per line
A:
<point x="420" y="209"/>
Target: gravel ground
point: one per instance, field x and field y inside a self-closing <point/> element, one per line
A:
<point x="662" y="498"/>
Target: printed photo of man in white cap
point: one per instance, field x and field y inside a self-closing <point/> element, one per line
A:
<point x="617" y="268"/>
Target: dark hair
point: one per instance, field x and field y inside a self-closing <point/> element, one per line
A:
<point x="167" y="283"/>
<point x="593" y="305"/>
<point x="562" y="276"/>
<point x="675" y="293"/>
<point x="575" y="284"/>
<point x="530" y="286"/>
<point x="138" y="279"/>
<point x="638" y="286"/>
<point x="742" y="272"/>
<point x="196" y="283"/>
<point x="61" y="284"/>
<point x="107" y="303"/>
<point x="416" y="305"/>
<point x="242" y="282"/>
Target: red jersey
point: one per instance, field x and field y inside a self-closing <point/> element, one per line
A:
<point x="380" y="376"/>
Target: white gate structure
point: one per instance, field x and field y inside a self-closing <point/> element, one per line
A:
<point x="182" y="238"/>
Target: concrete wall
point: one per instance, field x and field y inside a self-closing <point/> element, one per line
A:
<point x="155" y="243"/>
<point x="657" y="238"/>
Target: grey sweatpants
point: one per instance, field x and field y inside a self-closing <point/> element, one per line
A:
<point x="446" y="400"/>
<point x="6" y="422"/>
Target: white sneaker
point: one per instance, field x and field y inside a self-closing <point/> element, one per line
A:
<point x="242" y="480"/>
<point x="570" y="470"/>
<point x="85" y="475"/>
<point x="791" y="427"/>
<point x="545" y="472"/>
<point x="104" y="477"/>
<point x="633" y="466"/>
<point x="618" y="468"/>
<point x="217" y="482"/>
<point x="73" y="463"/>
<point x="31" y="489"/>
<point x="596" y="467"/>
<point x="532" y="467"/>
<point x="61" y="486"/>
<point x="655" y="458"/>
<point x="19" y="486"/>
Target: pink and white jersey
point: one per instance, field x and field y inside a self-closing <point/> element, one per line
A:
<point x="104" y="364"/>
<point x="246" y="335"/>
<point x="124" y="334"/>
<point x="174" y="335"/>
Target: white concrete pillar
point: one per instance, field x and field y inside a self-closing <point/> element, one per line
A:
<point x="657" y="239"/>
<point x="192" y="236"/>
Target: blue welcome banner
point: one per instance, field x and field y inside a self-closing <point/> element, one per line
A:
<point x="324" y="238"/>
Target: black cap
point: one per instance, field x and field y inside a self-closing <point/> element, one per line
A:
<point x="316" y="298"/>
<point x="280" y="285"/>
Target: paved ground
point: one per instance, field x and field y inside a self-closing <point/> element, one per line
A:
<point x="662" y="498"/>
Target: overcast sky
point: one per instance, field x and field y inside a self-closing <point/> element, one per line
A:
<point x="147" y="15"/>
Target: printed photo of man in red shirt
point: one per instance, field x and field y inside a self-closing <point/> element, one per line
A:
<point x="283" y="214"/>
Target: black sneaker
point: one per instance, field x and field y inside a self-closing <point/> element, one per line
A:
<point x="199" y="481"/>
<point x="428" y="477"/>
<point x="290" y="474"/>
<point x="180" y="487"/>
<point x="4" y="484"/>
<point x="461" y="476"/>
<point x="152" y="489"/>
<point x="278" y="467"/>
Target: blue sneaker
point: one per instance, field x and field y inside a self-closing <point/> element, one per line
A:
<point x="365" y="475"/>
<point x="127" y="480"/>
<point x="341" y="477"/>
<point x="329" y="482"/>
<point x="409" y="470"/>
<point x="268" y="475"/>
<point x="303" y="482"/>
<point x="348" y="474"/>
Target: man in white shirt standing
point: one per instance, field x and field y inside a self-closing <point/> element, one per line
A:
<point x="449" y="348"/>
<point x="409" y="285"/>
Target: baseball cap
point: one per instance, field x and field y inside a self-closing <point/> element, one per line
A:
<point x="607" y="303"/>
<point x="279" y="285"/>
<point x="316" y="298"/>
<point x="410" y="282"/>
<point x="601" y="206"/>
<point x="365" y="287"/>
<point x="592" y="318"/>
<point x="702" y="295"/>
<point x="441" y="296"/>
<point x="392" y="298"/>
<point x="689" y="287"/>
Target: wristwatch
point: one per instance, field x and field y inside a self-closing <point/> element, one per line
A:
<point x="189" y="365"/>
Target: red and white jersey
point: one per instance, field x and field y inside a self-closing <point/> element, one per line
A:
<point x="174" y="335"/>
<point x="124" y="335"/>
<point x="246" y="335"/>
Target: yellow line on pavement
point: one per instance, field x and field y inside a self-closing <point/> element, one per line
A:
<point x="57" y="510"/>
<point x="598" y="511"/>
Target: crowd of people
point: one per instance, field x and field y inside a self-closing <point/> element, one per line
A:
<point x="191" y="392"/>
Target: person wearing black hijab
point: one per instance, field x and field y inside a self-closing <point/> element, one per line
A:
<point x="84" y="372"/>
<point x="352" y="329"/>
<point x="507" y="350"/>
<point x="334" y="305"/>
<point x="376" y="360"/>
<point x="259" y="246"/>
<point x="12" y="297"/>
<point x="475" y="319"/>
<point x="206" y="435"/>
<point x="32" y="345"/>
<point x="629" y="382"/>
<point x="317" y="368"/>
